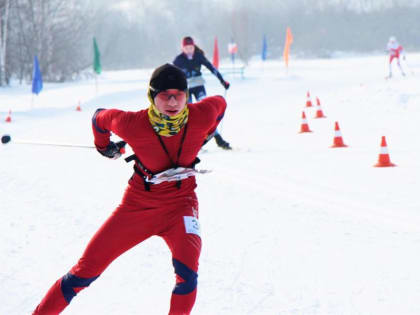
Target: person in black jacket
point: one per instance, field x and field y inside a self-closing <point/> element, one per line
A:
<point x="190" y="61"/>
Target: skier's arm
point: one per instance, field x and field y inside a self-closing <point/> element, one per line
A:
<point x="216" y="105"/>
<point x="402" y="52"/>
<point x="176" y="62"/>
<point x="179" y="61"/>
<point x="213" y="70"/>
<point x="105" y="121"/>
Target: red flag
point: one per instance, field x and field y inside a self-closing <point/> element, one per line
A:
<point x="216" y="54"/>
<point x="289" y="41"/>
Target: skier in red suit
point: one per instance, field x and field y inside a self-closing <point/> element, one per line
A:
<point x="160" y="198"/>
<point x="395" y="50"/>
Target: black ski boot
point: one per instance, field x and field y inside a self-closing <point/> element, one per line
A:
<point x="222" y="143"/>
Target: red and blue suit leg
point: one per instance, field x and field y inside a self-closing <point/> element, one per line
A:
<point x="124" y="229"/>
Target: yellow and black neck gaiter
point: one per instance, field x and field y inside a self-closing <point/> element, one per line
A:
<point x="165" y="125"/>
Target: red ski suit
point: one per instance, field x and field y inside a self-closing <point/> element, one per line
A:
<point x="167" y="209"/>
<point x="394" y="52"/>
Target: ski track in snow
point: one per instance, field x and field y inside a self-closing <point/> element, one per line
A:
<point x="290" y="225"/>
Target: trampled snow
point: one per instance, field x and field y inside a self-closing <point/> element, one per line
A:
<point x="289" y="225"/>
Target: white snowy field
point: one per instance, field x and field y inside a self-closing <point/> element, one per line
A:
<point x="289" y="225"/>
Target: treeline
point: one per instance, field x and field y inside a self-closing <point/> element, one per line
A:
<point x="144" y="33"/>
<point x="54" y="30"/>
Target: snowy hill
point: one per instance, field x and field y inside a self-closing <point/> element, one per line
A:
<point x="290" y="225"/>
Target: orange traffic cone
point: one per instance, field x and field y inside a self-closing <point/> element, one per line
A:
<point x="304" y="127"/>
<point x="319" y="113"/>
<point x="384" y="160"/>
<point x="338" y="139"/>
<point x="9" y="117"/>
<point x="308" y="100"/>
<point x="78" y="108"/>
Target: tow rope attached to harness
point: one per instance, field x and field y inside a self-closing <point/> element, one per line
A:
<point x="175" y="173"/>
<point x="170" y="175"/>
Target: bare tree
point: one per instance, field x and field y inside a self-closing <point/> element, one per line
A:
<point x="57" y="31"/>
<point x="4" y="19"/>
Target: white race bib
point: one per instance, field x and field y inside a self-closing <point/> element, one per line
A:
<point x="195" y="81"/>
<point x="192" y="225"/>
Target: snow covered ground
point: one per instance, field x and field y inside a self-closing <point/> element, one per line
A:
<point x="290" y="225"/>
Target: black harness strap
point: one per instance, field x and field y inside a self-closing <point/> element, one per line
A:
<point x="174" y="164"/>
<point x="141" y="170"/>
<point x="146" y="174"/>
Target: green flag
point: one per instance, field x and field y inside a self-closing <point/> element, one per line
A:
<point x="97" y="58"/>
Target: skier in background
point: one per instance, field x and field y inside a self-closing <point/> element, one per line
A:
<point x="395" y="50"/>
<point x="190" y="61"/>
<point x="166" y="139"/>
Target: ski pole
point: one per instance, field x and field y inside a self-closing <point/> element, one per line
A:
<point x="6" y="139"/>
<point x="408" y="66"/>
<point x="221" y="123"/>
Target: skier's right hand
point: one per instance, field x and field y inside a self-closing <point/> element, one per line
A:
<point x="113" y="150"/>
<point x="225" y="84"/>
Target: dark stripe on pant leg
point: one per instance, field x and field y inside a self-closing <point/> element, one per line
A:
<point x="69" y="281"/>
<point x="189" y="276"/>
